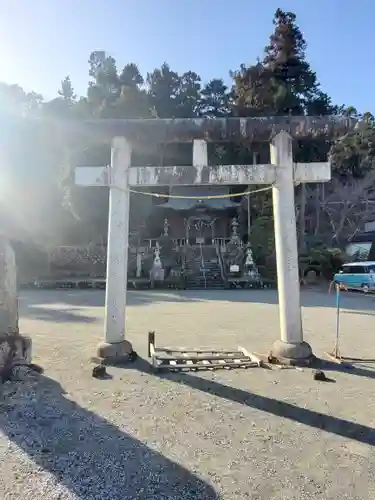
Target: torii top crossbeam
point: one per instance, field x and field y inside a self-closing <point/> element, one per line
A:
<point x="260" y="129"/>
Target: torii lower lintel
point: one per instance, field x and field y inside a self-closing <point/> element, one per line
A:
<point x="204" y="175"/>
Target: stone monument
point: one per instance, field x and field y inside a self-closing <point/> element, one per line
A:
<point x="15" y="349"/>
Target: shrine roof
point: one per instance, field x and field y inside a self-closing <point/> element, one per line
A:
<point x="259" y="129"/>
<point x="184" y="204"/>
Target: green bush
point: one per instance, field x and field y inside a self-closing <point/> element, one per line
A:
<point x="326" y="261"/>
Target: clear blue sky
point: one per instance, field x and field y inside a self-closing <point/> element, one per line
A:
<point x="41" y="41"/>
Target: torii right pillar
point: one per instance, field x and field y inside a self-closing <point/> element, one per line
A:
<point x="291" y="347"/>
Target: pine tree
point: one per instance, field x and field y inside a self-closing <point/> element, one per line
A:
<point x="285" y="58"/>
<point x="66" y="91"/>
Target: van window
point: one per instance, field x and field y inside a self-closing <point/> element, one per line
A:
<point x="354" y="270"/>
<point x="359" y="270"/>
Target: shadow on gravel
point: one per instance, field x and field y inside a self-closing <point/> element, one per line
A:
<point x="63" y="315"/>
<point x="350" y="302"/>
<point x="347" y="367"/>
<point x="328" y="423"/>
<point x="87" y="454"/>
<point x="364" y="313"/>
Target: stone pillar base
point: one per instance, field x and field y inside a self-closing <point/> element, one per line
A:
<point x="15" y="349"/>
<point x="113" y="354"/>
<point x="293" y="354"/>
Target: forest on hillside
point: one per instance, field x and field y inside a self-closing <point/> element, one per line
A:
<point x="39" y="201"/>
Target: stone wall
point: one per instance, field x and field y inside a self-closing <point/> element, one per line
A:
<point x="87" y="260"/>
<point x="73" y="262"/>
<point x="34" y="263"/>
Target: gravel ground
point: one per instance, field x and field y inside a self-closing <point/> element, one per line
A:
<point x="245" y="434"/>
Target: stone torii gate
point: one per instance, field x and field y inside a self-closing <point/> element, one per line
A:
<point x="282" y="173"/>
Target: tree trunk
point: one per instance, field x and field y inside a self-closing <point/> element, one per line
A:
<point x="317" y="209"/>
<point x="301" y="220"/>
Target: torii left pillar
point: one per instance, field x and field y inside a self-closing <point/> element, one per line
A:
<point x="115" y="347"/>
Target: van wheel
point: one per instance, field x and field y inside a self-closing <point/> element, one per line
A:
<point x="365" y="288"/>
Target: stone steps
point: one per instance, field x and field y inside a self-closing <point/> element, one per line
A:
<point x="197" y="285"/>
<point x="210" y="278"/>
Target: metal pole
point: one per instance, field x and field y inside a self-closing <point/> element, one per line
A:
<point x="337" y="320"/>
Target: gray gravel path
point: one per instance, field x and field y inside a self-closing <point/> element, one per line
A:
<point x="253" y="434"/>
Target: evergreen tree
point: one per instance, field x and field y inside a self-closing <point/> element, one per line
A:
<point x="215" y="99"/>
<point x="353" y="155"/>
<point x="66" y="91"/>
